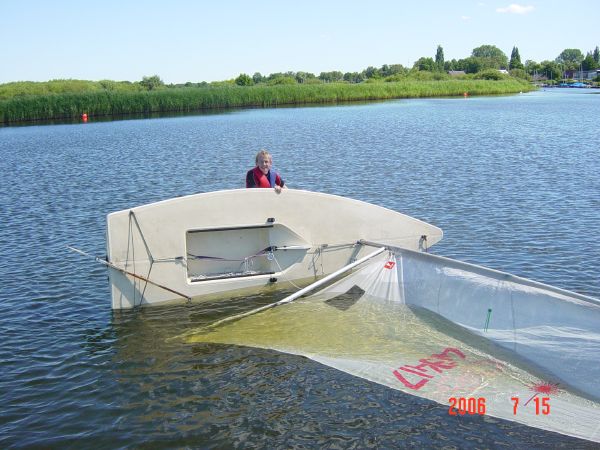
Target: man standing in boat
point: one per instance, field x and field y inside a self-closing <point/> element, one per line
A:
<point x="262" y="176"/>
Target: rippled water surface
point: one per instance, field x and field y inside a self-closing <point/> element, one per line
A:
<point x="513" y="182"/>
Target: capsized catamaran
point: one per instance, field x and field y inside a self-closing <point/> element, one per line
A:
<point x="237" y="241"/>
<point x="474" y="339"/>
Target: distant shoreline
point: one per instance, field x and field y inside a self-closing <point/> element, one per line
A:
<point x="71" y="106"/>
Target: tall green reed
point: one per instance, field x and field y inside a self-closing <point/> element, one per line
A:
<point x="117" y="103"/>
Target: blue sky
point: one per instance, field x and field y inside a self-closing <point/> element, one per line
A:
<point x="219" y="39"/>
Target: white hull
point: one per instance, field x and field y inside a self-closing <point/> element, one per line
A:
<point x="238" y="241"/>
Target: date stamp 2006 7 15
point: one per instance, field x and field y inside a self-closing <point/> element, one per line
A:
<point x="476" y="405"/>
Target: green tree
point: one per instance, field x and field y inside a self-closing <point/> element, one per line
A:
<point x="281" y="78"/>
<point x="354" y="77"/>
<point x="151" y="83"/>
<point x="258" y="78"/>
<point x="427" y="64"/>
<point x="303" y="77"/>
<point x="597" y="55"/>
<point x="551" y="69"/>
<point x="451" y="65"/>
<point x="371" y="72"/>
<point x="496" y="58"/>
<point x="389" y="70"/>
<point x="474" y="64"/>
<point x="439" y="58"/>
<point x="515" y="59"/>
<point x="570" y="58"/>
<point x="532" y="67"/>
<point x="589" y="63"/>
<point x="331" y="77"/>
<point x="397" y="69"/>
<point x="244" y="80"/>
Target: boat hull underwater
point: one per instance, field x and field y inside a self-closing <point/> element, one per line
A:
<point x="477" y="340"/>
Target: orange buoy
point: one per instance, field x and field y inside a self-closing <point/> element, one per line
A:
<point x="84" y="117"/>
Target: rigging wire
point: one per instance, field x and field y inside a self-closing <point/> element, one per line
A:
<point x="301" y="292"/>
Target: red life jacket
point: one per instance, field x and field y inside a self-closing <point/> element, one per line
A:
<point x="261" y="179"/>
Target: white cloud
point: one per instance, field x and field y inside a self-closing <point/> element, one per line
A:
<point x="515" y="9"/>
<point x="465" y="18"/>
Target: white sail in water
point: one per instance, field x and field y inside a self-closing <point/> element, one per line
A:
<point x="473" y="339"/>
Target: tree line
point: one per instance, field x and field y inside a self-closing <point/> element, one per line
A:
<point x="485" y="59"/>
<point x="491" y="57"/>
<point x="484" y="62"/>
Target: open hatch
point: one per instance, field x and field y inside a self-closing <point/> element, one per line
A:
<point x="242" y="251"/>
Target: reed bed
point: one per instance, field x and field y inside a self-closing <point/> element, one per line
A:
<point x="190" y="99"/>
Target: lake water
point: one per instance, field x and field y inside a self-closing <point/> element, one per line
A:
<point x="513" y="182"/>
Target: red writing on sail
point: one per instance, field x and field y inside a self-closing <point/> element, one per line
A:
<point x="417" y="376"/>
